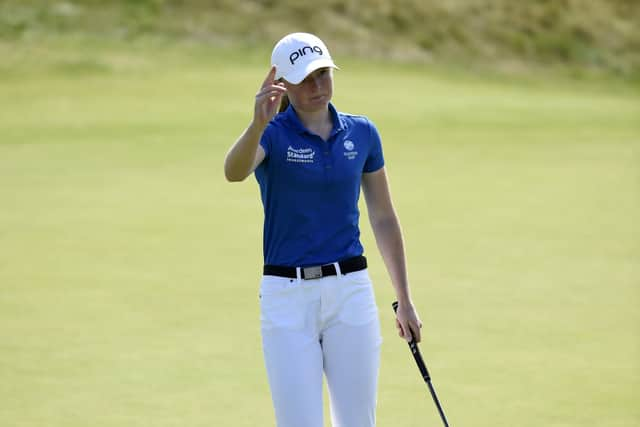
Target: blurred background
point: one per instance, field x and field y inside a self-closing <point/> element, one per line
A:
<point x="129" y="268"/>
<point x="581" y="36"/>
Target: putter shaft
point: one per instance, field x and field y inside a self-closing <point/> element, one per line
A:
<point x="415" y="351"/>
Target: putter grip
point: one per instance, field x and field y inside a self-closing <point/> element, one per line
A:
<point x="395" y="310"/>
<point x="415" y="351"/>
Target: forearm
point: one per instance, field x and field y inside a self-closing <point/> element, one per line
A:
<point x="240" y="159"/>
<point x="389" y="239"/>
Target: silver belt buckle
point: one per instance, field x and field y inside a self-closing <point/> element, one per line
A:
<point x="312" y="272"/>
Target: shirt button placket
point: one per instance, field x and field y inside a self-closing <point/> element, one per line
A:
<point x="328" y="161"/>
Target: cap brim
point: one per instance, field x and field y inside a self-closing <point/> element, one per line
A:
<point x="299" y="75"/>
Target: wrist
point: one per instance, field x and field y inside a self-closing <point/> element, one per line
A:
<point x="256" y="127"/>
<point x="404" y="300"/>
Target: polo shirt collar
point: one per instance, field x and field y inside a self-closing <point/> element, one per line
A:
<point x="292" y="119"/>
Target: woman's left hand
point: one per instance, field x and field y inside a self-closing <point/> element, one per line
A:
<point x="408" y="322"/>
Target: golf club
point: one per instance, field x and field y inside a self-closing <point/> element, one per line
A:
<point x="423" y="370"/>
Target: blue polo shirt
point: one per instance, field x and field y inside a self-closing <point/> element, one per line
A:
<point x="310" y="188"/>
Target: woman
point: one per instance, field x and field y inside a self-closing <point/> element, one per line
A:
<point x="318" y="311"/>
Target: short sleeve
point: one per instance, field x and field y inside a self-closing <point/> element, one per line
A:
<point x="375" y="158"/>
<point x="265" y="141"/>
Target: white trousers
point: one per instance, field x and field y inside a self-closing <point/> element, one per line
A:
<point x="310" y="327"/>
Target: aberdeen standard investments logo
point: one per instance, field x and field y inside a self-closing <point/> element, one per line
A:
<point x="300" y="155"/>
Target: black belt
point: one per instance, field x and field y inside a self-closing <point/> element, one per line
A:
<point x="348" y="265"/>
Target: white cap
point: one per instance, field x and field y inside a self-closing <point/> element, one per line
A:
<point x="297" y="55"/>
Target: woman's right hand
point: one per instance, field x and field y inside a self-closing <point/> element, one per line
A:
<point x="268" y="99"/>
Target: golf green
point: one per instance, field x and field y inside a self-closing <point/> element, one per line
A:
<point x="129" y="268"/>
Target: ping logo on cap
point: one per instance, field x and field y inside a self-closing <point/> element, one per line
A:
<point x="296" y="54"/>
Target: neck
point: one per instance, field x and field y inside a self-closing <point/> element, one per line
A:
<point x="315" y="119"/>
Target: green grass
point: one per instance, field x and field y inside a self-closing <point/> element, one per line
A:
<point x="129" y="268"/>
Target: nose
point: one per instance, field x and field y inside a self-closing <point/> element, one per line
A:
<point x="316" y="81"/>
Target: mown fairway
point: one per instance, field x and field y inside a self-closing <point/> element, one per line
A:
<point x="129" y="268"/>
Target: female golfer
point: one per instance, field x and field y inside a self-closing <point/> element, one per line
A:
<point x="317" y="305"/>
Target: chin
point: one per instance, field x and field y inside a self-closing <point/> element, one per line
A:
<point x="319" y="104"/>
